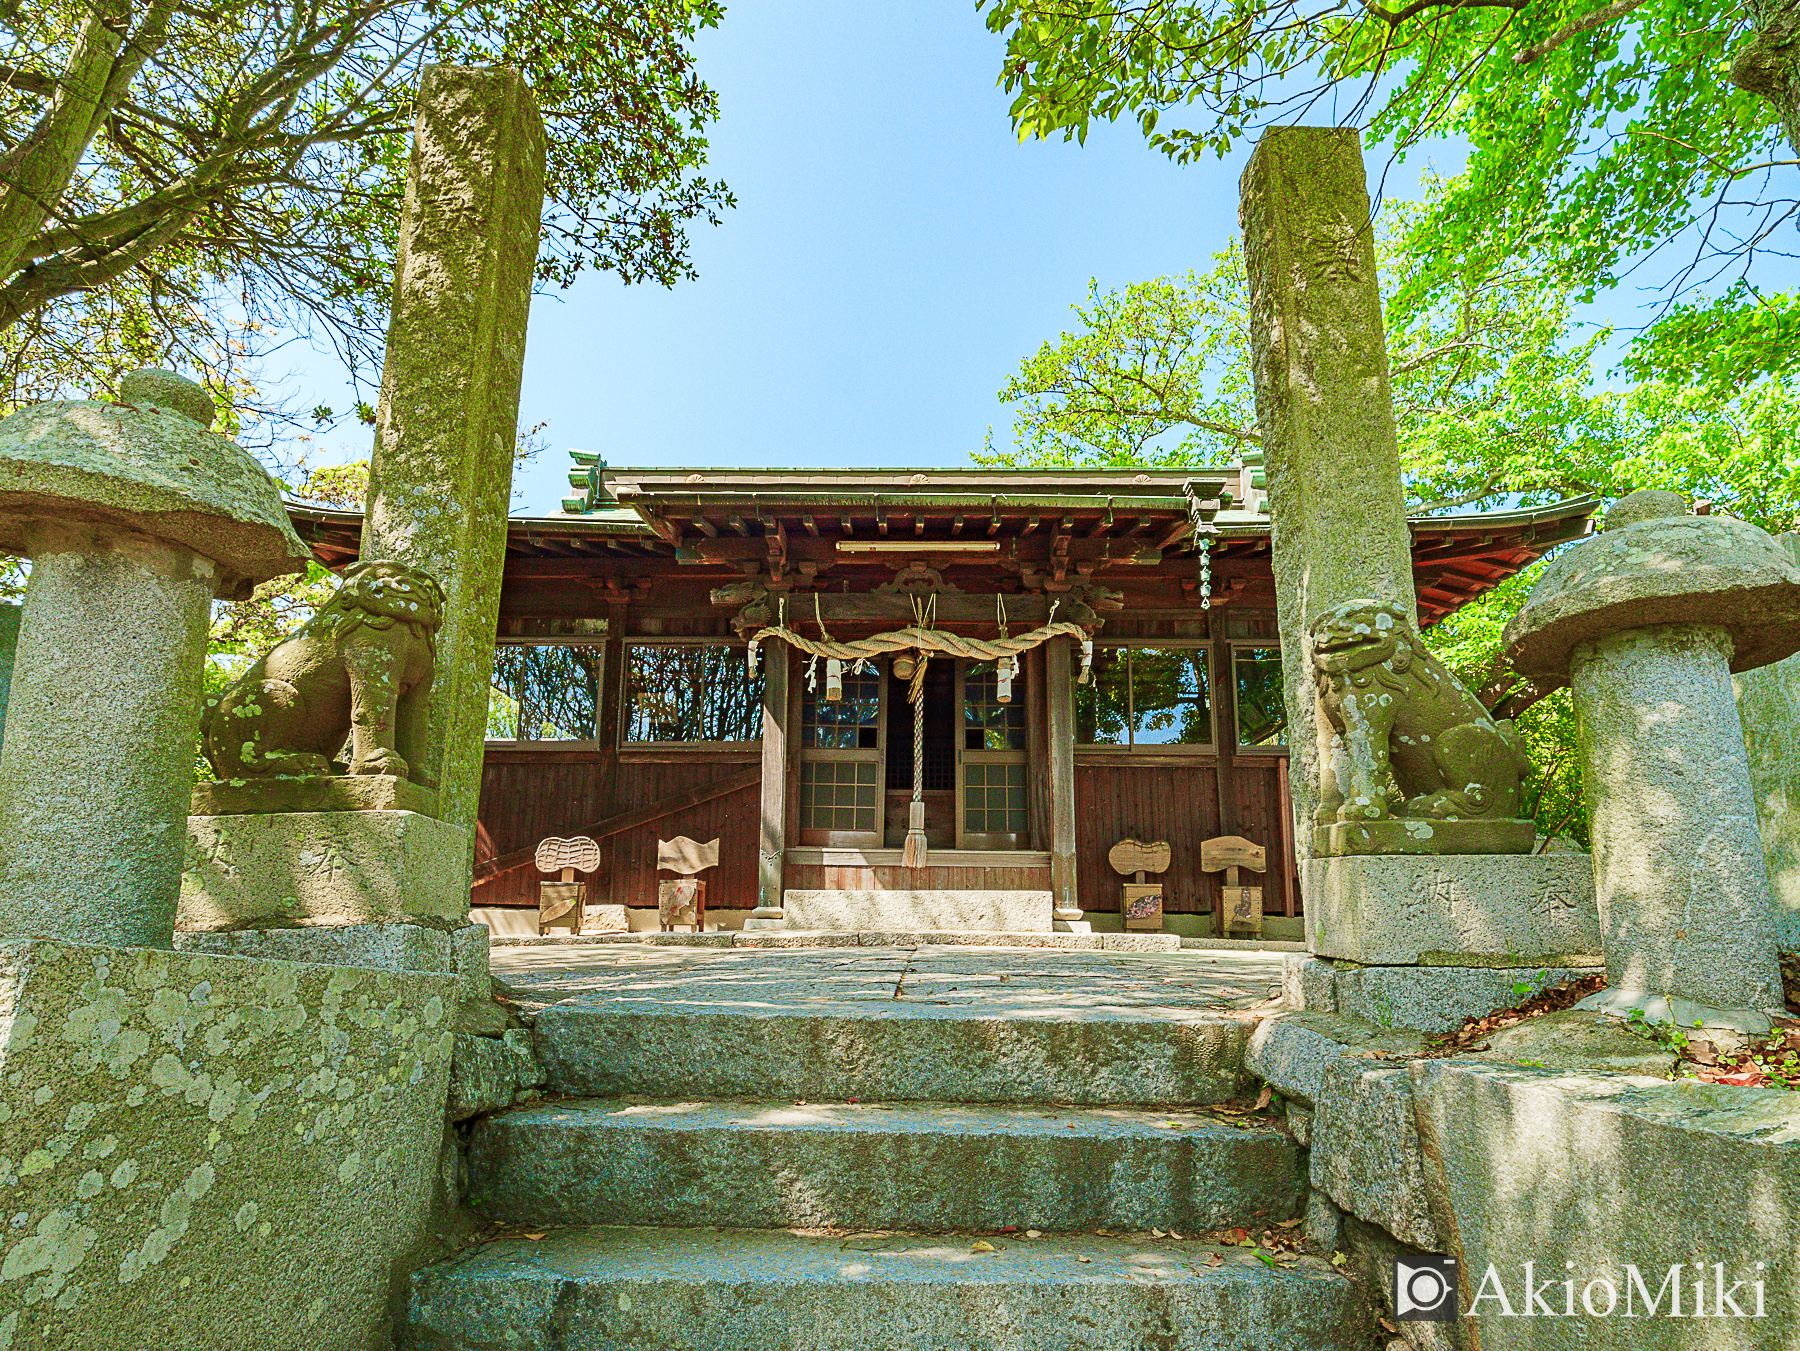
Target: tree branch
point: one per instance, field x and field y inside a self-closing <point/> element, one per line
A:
<point x="1598" y="19"/>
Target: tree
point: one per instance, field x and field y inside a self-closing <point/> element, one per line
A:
<point x="186" y="177"/>
<point x="1495" y="403"/>
<point x="1597" y="132"/>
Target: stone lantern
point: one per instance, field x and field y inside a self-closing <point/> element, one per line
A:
<point x="1647" y="622"/>
<point x="135" y="517"/>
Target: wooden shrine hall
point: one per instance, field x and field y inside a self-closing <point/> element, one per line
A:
<point x="1105" y="667"/>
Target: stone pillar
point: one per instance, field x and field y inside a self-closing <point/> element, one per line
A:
<point x="1319" y="357"/>
<point x="104" y="711"/>
<point x="440" y="481"/>
<point x="1059" y="681"/>
<point x="771" y="847"/>
<point x="1768" y="701"/>
<point x="1684" y="901"/>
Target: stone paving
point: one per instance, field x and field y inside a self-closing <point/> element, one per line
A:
<point x="994" y="982"/>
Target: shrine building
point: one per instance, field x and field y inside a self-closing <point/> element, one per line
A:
<point x="653" y="679"/>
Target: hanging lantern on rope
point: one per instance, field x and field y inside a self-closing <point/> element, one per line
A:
<point x="1004" y="680"/>
<point x="834" y="679"/>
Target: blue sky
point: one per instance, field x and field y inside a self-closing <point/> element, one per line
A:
<point x="894" y="255"/>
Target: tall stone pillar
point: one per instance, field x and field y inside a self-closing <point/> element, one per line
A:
<point x="1319" y="356"/>
<point x="440" y="481"/>
<point x="1768" y="701"/>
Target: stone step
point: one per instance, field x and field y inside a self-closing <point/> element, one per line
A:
<point x="879" y="1166"/>
<point x="759" y="1290"/>
<point x="891" y="1052"/>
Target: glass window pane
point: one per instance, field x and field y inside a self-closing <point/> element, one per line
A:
<point x="544" y="693"/>
<point x="1169" y="697"/>
<point x="690" y="693"/>
<point x="840" y="795"/>
<point x="988" y="724"/>
<point x="1101" y="717"/>
<point x="846" y="724"/>
<point x="994" y="799"/>
<point x="1261" y="713"/>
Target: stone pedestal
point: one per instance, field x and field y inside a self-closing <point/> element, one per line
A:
<point x="766" y="917"/>
<point x="203" y="1150"/>
<point x="1682" y="891"/>
<point x="312" y="793"/>
<point x="314" y="869"/>
<point x="102" y="715"/>
<point x="461" y="952"/>
<point x="1473" y="910"/>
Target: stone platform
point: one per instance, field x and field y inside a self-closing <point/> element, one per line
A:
<point x="919" y="911"/>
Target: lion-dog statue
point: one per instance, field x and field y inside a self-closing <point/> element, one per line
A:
<point x="1387" y="706"/>
<point x="360" y="669"/>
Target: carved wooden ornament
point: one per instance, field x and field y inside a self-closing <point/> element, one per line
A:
<point x="1232" y="851"/>
<point x="1135" y="856"/>
<point x="580" y="853"/>
<point x="682" y="855"/>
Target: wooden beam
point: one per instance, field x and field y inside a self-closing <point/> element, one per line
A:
<point x="812" y="526"/>
<point x="956" y="526"/>
<point x="737" y="524"/>
<point x="706" y="527"/>
<point x="624" y="821"/>
<point x="772" y="842"/>
<point x="1059" y="690"/>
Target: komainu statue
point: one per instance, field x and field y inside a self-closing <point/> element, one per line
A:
<point x="360" y="669"/>
<point x="1388" y="710"/>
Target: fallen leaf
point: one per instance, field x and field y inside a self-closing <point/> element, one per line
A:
<point x="1338" y="1259"/>
<point x="1171" y="1125"/>
<point x="1388" y="1327"/>
<point x="533" y="1237"/>
<point x="1033" y="1233"/>
<point x="982" y="1245"/>
<point x="1084" y="1259"/>
<point x="1215" y="1261"/>
<point x="1262" y="1098"/>
<point x="1289" y="1224"/>
<point x="1157" y="1233"/>
<point x="1237" y="1235"/>
<point x="1174" y="1235"/>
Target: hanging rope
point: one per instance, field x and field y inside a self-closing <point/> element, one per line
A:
<point x="924" y="640"/>
<point x="917" y="847"/>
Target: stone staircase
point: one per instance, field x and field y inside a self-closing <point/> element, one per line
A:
<point x="724" y="1179"/>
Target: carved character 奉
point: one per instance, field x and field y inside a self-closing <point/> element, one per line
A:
<point x="361" y="668"/>
<point x="1387" y="706"/>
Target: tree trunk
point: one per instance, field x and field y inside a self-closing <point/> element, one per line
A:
<point x="1769" y="64"/>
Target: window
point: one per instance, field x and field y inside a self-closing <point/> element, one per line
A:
<point x="1145" y="697"/>
<point x="992" y="759"/>
<point x="988" y="724"/>
<point x="847" y="724"/>
<point x="690" y="693"/>
<point x="1261" y="712"/>
<point x="841" y="779"/>
<point x="544" y="693"/>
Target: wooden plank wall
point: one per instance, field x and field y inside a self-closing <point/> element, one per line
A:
<point x="1178" y="803"/>
<point x="528" y="793"/>
<point x="814" y="877"/>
